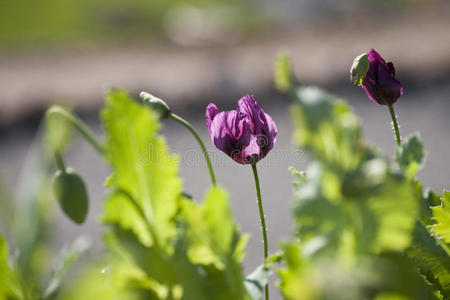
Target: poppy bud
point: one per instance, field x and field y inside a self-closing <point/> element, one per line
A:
<point x="70" y="192"/>
<point x="379" y="82"/>
<point x="158" y="105"/>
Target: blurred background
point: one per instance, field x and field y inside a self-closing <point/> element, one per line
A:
<point x="193" y="52"/>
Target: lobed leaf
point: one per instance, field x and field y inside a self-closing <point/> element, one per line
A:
<point x="431" y="259"/>
<point x="410" y="155"/>
<point x="143" y="170"/>
<point x="441" y="215"/>
<point x="327" y="128"/>
<point x="10" y="287"/>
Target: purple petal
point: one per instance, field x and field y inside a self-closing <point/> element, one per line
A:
<point x="250" y="154"/>
<point x="211" y="112"/>
<point x="386" y="89"/>
<point x="221" y="132"/>
<point x="390" y="68"/>
<point x="246" y="134"/>
<point x="373" y="56"/>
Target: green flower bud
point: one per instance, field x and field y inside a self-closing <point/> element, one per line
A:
<point x="359" y="69"/>
<point x="158" y="105"/>
<point x="70" y="192"/>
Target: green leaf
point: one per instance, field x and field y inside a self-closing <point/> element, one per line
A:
<point x="283" y="73"/>
<point x="210" y="230"/>
<point x="410" y="155"/>
<point x="431" y="259"/>
<point x="256" y="281"/>
<point x="394" y="208"/>
<point x="441" y="215"/>
<point x="327" y="128"/>
<point x="305" y="277"/>
<point x="428" y="199"/>
<point x="212" y="241"/>
<point x="143" y="169"/>
<point x="377" y="218"/>
<point x="113" y="279"/>
<point x="10" y="287"/>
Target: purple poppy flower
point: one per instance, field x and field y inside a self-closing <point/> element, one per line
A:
<point x="246" y="134"/>
<point x="380" y="83"/>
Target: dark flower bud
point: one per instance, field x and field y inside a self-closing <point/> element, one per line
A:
<point x="379" y="82"/>
<point x="70" y="192"/>
<point x="158" y="105"/>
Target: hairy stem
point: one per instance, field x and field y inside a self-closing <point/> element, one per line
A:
<point x="197" y="137"/>
<point x="263" y="222"/>
<point x="394" y="124"/>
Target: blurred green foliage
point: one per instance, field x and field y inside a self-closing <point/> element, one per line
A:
<point x="25" y="23"/>
<point x="364" y="228"/>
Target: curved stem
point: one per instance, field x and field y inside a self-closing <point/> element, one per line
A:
<point x="197" y="137"/>
<point x="79" y="125"/>
<point x="59" y="161"/>
<point x="394" y="123"/>
<point x="263" y="223"/>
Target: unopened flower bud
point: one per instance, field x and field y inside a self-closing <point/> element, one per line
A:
<point x="158" y="105"/>
<point x="70" y="192"/>
<point x="378" y="78"/>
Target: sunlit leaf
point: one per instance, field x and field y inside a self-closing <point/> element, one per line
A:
<point x="143" y="170"/>
<point x="10" y="287"/>
<point x="441" y="215"/>
<point x="326" y="128"/>
<point x="410" y="155"/>
<point x="432" y="260"/>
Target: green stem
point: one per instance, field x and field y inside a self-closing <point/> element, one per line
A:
<point x="79" y="125"/>
<point x="263" y="222"/>
<point x="197" y="137"/>
<point x="394" y="123"/>
<point x="60" y="162"/>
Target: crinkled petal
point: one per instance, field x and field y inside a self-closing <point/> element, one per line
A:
<point x="250" y="154"/>
<point x="248" y="107"/>
<point x="270" y="135"/>
<point x="211" y="112"/>
<point x="373" y="56"/>
<point x="221" y="133"/>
